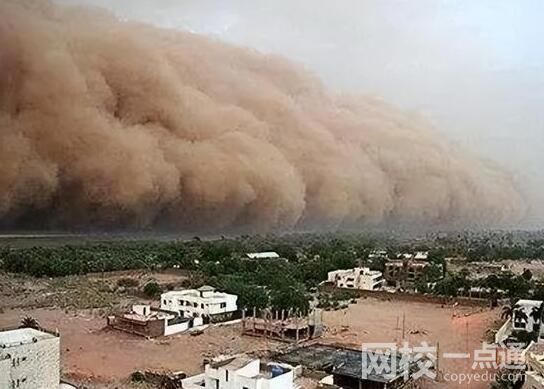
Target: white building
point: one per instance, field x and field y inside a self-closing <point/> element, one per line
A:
<point x="358" y="278"/>
<point x="242" y="373"/>
<point x="534" y="358"/>
<point x="202" y="303"/>
<point x="146" y="321"/>
<point x="263" y="255"/>
<point x="377" y="254"/>
<point x="421" y="255"/>
<point x="29" y="359"/>
<point x="523" y="317"/>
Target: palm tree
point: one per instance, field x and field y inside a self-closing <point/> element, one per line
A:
<point x="536" y="314"/>
<point x="508" y="311"/>
<point x="29" y="322"/>
<point x="519" y="316"/>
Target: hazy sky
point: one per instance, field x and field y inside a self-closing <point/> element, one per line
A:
<point x="474" y="68"/>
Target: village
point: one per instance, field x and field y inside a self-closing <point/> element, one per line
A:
<point x="201" y="338"/>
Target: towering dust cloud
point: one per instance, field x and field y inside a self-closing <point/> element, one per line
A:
<point x="112" y="124"/>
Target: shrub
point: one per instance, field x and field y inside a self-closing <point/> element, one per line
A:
<point x="152" y="289"/>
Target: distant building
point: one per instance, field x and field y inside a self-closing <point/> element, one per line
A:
<point x="377" y="254"/>
<point x="149" y="322"/>
<point x="242" y="373"/>
<point x="200" y="305"/>
<point x="358" y="278"/>
<point x="399" y="272"/>
<point x="29" y="359"/>
<point x="263" y="255"/>
<point x="421" y="256"/>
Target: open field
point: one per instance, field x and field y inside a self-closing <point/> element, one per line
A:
<point x="92" y="354"/>
<point x="104" y="358"/>
<point x="454" y="329"/>
<point x="80" y="292"/>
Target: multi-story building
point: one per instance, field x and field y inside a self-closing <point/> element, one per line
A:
<point x="29" y="359"/>
<point x="242" y="373"/>
<point x="358" y="278"/>
<point x="201" y="305"/>
<point x="401" y="271"/>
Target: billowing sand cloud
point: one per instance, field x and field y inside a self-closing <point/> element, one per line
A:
<point x="114" y="124"/>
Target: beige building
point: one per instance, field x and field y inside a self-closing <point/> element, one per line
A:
<point x="29" y="359"/>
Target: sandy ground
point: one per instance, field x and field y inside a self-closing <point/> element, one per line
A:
<point x="91" y="353"/>
<point x="454" y="330"/>
<point x="106" y="358"/>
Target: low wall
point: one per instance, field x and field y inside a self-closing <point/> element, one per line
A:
<point x="151" y="329"/>
<point x="413" y="297"/>
<point x="504" y="332"/>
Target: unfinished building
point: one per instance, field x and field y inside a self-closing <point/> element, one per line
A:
<point x="149" y="322"/>
<point x="342" y="367"/>
<point x="283" y="327"/>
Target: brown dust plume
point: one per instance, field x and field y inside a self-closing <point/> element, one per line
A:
<point x="110" y="124"/>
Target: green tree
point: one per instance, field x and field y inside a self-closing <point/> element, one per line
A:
<point x="152" y="289"/>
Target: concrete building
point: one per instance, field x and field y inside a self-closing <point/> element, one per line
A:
<point x="278" y="326"/>
<point x="242" y="373"/>
<point x="149" y="322"/>
<point x="29" y="359"/>
<point x="358" y="278"/>
<point x="201" y="305"/>
<point x="524" y="317"/>
<point x="399" y="272"/>
<point x="534" y="359"/>
<point x="343" y="367"/>
<point x="421" y="255"/>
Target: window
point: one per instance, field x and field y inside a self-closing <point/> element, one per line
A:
<point x="223" y="305"/>
<point x="215" y="383"/>
<point x="227" y="375"/>
<point x="202" y="305"/>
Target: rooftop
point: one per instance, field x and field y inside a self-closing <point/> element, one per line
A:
<point x="196" y="293"/>
<point x="232" y="363"/>
<point x="338" y="360"/>
<point x="529" y="303"/>
<point x="22" y="336"/>
<point x="239" y="362"/>
<point x="263" y="255"/>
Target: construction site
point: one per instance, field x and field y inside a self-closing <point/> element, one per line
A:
<point x="283" y="326"/>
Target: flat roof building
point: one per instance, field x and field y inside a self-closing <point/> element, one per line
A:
<point x="201" y="305"/>
<point x="242" y="373"/>
<point x="29" y="359"/>
<point x="534" y="359"/>
<point x="263" y="255"/>
<point x="359" y="278"/>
